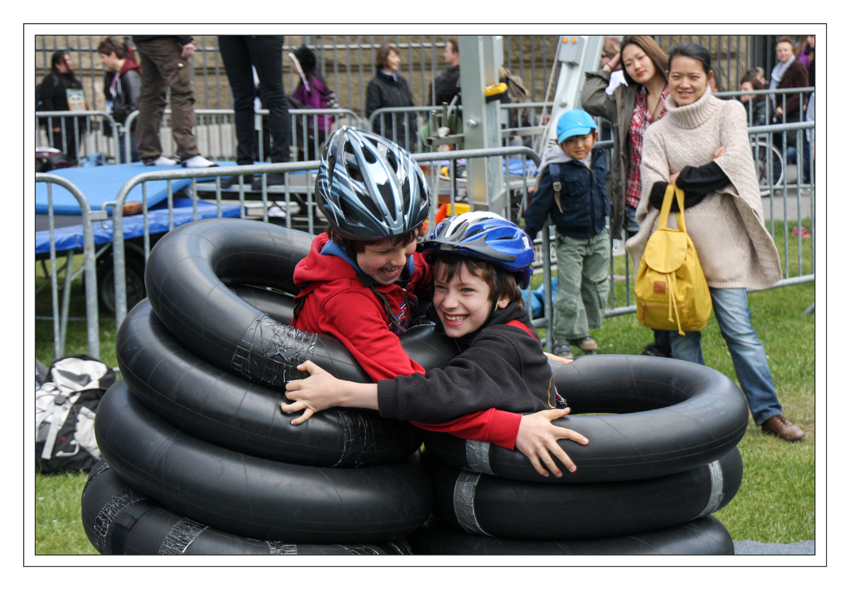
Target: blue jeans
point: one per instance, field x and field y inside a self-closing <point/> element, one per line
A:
<point x="122" y="151"/>
<point x="748" y="356"/>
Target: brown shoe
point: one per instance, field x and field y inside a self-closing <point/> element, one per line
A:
<point x="783" y="428"/>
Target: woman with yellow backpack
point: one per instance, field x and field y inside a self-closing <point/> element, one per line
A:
<point x="702" y="147"/>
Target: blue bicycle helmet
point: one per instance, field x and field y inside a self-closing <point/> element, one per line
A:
<point x="487" y="236"/>
<point x="369" y="187"/>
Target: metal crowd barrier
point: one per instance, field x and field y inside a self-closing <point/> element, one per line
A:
<point x="60" y="318"/>
<point x="85" y="133"/>
<point x="522" y="134"/>
<point x="448" y="185"/>
<point x="171" y="175"/>
<point x="215" y="131"/>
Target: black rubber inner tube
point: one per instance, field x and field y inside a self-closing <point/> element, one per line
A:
<point x="213" y="405"/>
<point x="188" y="276"/>
<point x="703" y="536"/>
<point x="490" y="505"/>
<point x="255" y="497"/>
<point x="186" y="279"/>
<point x="669" y="416"/>
<point x="120" y="521"/>
<point x="279" y="306"/>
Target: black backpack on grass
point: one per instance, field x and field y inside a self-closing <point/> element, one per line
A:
<point x="66" y="403"/>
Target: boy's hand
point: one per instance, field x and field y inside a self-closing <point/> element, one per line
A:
<point x="538" y="438"/>
<point x="557" y="359"/>
<point x="313" y="394"/>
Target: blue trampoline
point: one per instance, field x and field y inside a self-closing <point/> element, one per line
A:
<point x="100" y="184"/>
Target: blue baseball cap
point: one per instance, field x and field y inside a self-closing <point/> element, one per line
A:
<point x="574" y="122"/>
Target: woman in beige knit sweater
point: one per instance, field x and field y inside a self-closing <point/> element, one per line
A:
<point x="702" y="147"/>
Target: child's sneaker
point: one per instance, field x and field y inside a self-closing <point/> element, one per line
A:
<point x="587" y="344"/>
<point x="563" y="349"/>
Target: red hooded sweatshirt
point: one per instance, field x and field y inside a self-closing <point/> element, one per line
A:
<point x="336" y="303"/>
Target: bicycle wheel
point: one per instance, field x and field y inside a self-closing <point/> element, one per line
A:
<point x="766" y="170"/>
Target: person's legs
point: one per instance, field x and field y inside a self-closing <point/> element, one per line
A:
<point x="237" y="64"/>
<point x="594" y="279"/>
<point x="73" y="134"/>
<point x="748" y="355"/>
<point x="267" y="56"/>
<point x="806" y="160"/>
<point x="134" y="152"/>
<point x="570" y="321"/>
<point x="630" y="222"/>
<point x="152" y="103"/>
<point x="687" y="347"/>
<point x="178" y="73"/>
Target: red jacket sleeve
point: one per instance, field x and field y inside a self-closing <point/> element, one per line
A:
<point x="493" y="426"/>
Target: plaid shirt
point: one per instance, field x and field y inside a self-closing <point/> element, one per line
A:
<point x="640" y="121"/>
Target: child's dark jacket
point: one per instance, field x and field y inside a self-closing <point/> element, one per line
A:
<point x="584" y="202"/>
<point x="501" y="366"/>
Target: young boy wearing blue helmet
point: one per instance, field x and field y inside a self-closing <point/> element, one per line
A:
<point x="480" y="263"/>
<point x="571" y="192"/>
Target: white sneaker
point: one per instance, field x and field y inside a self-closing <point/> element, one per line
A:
<point x="162" y="161"/>
<point x="198" y="162"/>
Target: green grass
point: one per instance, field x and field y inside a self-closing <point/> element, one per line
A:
<point x="77" y="339"/>
<point x="58" y="526"/>
<point x="775" y="503"/>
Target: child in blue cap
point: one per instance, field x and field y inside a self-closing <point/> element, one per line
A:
<point x="571" y="192"/>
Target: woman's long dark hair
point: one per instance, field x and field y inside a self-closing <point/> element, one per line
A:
<point x="657" y="55"/>
<point x="56" y="58"/>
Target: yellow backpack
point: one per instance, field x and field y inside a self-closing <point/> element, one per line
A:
<point x="670" y="287"/>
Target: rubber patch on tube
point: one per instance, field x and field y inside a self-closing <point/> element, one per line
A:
<point x="180" y="537"/>
<point x="464" y="502"/>
<point x="359" y="439"/>
<point x="715" y="497"/>
<point x="270" y="351"/>
<point x="107" y="515"/>
<point x="281" y="548"/>
<point x="478" y="456"/>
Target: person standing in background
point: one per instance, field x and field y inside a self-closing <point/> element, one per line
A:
<point x="122" y="88"/>
<point x="447" y="84"/>
<point x="389" y="89"/>
<point x="314" y="93"/>
<point x="265" y="54"/>
<point x="632" y="108"/>
<point x="703" y="148"/>
<point x="61" y="90"/>
<point x="166" y="65"/>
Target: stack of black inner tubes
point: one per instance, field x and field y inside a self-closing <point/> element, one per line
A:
<point x="198" y="456"/>
<point x="662" y="458"/>
<point x="199" y="459"/>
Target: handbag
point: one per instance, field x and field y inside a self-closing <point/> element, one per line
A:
<point x="670" y="287"/>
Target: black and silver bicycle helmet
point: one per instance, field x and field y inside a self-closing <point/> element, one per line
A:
<point x="369" y="187"/>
